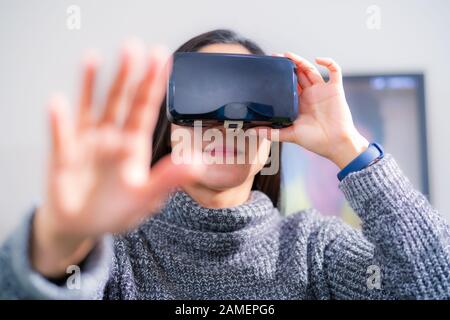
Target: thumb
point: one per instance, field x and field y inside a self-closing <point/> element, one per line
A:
<point x="166" y="175"/>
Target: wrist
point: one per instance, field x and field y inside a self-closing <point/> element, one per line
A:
<point x="348" y="149"/>
<point x="52" y="251"/>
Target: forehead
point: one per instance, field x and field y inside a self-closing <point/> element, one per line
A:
<point x="225" y="48"/>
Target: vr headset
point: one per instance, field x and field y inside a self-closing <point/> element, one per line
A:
<point x="234" y="90"/>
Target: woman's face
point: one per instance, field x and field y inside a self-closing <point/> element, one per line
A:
<point x="255" y="152"/>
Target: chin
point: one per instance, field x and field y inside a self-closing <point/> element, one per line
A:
<point x="224" y="176"/>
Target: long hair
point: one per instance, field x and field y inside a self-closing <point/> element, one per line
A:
<point x="268" y="184"/>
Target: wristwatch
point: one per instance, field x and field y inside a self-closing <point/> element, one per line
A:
<point x="372" y="154"/>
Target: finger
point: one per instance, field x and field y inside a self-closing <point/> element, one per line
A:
<point x="60" y="128"/>
<point x="299" y="88"/>
<point x="272" y="134"/>
<point x="165" y="175"/>
<point x="303" y="80"/>
<point x="115" y="92"/>
<point x="145" y="107"/>
<point x="159" y="90"/>
<point x="334" y="69"/>
<point x="306" y="67"/>
<point x="90" y="66"/>
<point x="130" y="95"/>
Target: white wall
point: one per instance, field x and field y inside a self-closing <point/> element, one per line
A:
<point x="40" y="55"/>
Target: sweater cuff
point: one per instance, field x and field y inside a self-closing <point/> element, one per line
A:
<point x="374" y="183"/>
<point x="93" y="275"/>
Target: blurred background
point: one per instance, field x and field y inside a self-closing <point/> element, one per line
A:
<point x="394" y="55"/>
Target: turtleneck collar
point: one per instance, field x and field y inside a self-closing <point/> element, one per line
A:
<point x="182" y="210"/>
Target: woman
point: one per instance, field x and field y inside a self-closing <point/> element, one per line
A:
<point x="219" y="234"/>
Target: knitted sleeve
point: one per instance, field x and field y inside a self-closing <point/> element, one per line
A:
<point x="18" y="280"/>
<point x="403" y="250"/>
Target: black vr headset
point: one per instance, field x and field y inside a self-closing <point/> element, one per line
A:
<point x="234" y="90"/>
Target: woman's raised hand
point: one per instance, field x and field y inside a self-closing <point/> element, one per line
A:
<point x="324" y="125"/>
<point x="99" y="177"/>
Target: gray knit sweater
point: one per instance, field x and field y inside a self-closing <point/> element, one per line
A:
<point x="252" y="252"/>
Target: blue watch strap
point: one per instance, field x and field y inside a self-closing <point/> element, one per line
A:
<point x="373" y="152"/>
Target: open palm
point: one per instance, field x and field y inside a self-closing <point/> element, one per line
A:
<point x="99" y="176"/>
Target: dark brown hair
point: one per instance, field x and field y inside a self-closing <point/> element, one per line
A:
<point x="269" y="184"/>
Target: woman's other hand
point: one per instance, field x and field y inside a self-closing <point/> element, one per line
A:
<point x="325" y="124"/>
<point x="99" y="177"/>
